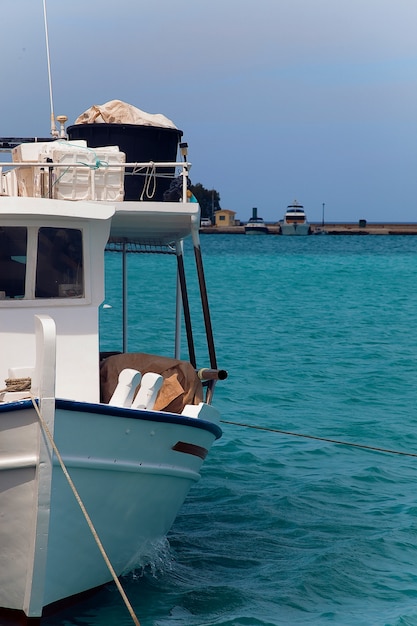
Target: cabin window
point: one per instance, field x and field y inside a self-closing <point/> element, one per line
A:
<point x="59" y="268"/>
<point x="13" y="242"/>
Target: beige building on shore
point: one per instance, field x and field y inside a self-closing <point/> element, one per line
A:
<point x="225" y="217"/>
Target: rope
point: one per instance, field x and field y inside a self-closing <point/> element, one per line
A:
<point x="342" y="443"/>
<point x="97" y="164"/>
<point x="92" y="166"/>
<point x="54" y="182"/>
<point x="17" y="384"/>
<point x="149" y="186"/>
<point x="84" y="511"/>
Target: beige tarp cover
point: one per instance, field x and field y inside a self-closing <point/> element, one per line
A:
<point x="181" y="384"/>
<point x="118" y="112"/>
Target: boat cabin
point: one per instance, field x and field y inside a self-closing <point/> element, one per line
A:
<point x="62" y="205"/>
<point x="52" y="262"/>
<point x="295" y="214"/>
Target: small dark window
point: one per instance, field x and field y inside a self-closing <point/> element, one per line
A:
<point x="13" y="243"/>
<point x="59" y="270"/>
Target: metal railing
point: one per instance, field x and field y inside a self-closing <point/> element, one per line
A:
<point x="55" y="170"/>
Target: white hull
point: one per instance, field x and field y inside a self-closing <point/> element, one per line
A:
<point x="258" y="229"/>
<point x="295" y="229"/>
<point x="90" y="481"/>
<point x="131" y="499"/>
<point x="256" y="225"/>
<point x="295" y="221"/>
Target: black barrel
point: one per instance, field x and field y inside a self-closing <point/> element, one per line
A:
<point x="140" y="144"/>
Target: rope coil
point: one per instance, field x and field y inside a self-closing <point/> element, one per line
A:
<point x="149" y="186"/>
<point x="17" y="384"/>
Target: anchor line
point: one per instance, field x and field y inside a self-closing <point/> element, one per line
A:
<point x="327" y="439"/>
<point x="85" y="513"/>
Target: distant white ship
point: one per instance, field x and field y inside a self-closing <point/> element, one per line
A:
<point x="295" y="221"/>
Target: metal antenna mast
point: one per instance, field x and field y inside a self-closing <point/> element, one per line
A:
<point x="54" y="131"/>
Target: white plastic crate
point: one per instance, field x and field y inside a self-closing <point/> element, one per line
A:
<point x="28" y="151"/>
<point x="83" y="173"/>
<point x="8" y="184"/>
<point x="91" y="179"/>
<point x="109" y="181"/>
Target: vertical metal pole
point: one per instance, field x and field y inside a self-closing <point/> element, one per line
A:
<point x="54" y="131"/>
<point x="50" y="179"/>
<point x="186" y="305"/>
<point x="184" y="182"/>
<point x="184" y="151"/>
<point x="178" y="310"/>
<point x="204" y="299"/>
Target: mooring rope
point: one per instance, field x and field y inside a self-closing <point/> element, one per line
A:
<point x="336" y="441"/>
<point x="17" y="384"/>
<point x="86" y="515"/>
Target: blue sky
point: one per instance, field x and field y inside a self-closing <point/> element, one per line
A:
<point x="278" y="99"/>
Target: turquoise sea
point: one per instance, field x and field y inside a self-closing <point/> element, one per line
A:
<point x="319" y="335"/>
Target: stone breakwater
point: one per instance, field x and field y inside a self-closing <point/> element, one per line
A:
<point x="383" y="228"/>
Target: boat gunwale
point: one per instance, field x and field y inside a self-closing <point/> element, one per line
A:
<point x="115" y="411"/>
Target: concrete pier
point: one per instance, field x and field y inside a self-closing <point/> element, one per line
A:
<point x="335" y="228"/>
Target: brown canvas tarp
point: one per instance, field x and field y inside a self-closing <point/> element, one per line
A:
<point x="181" y="383"/>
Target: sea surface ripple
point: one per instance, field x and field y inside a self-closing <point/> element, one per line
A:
<point x="319" y="335"/>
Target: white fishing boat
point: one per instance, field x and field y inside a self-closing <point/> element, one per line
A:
<point x="295" y="221"/>
<point x="256" y="225"/>
<point x="97" y="450"/>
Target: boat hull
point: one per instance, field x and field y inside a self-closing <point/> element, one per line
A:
<point x="259" y="230"/>
<point x="132" y="470"/>
<point x="256" y="230"/>
<point x="295" y="229"/>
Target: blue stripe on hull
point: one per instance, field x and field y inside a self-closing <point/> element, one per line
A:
<point x="106" y="409"/>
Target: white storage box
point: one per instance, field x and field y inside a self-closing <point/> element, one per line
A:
<point x="83" y="173"/>
<point x="31" y="181"/>
<point x="8" y="183"/>
<point x="29" y="151"/>
<point x="109" y="181"/>
<point x="91" y="179"/>
<point x="36" y="151"/>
